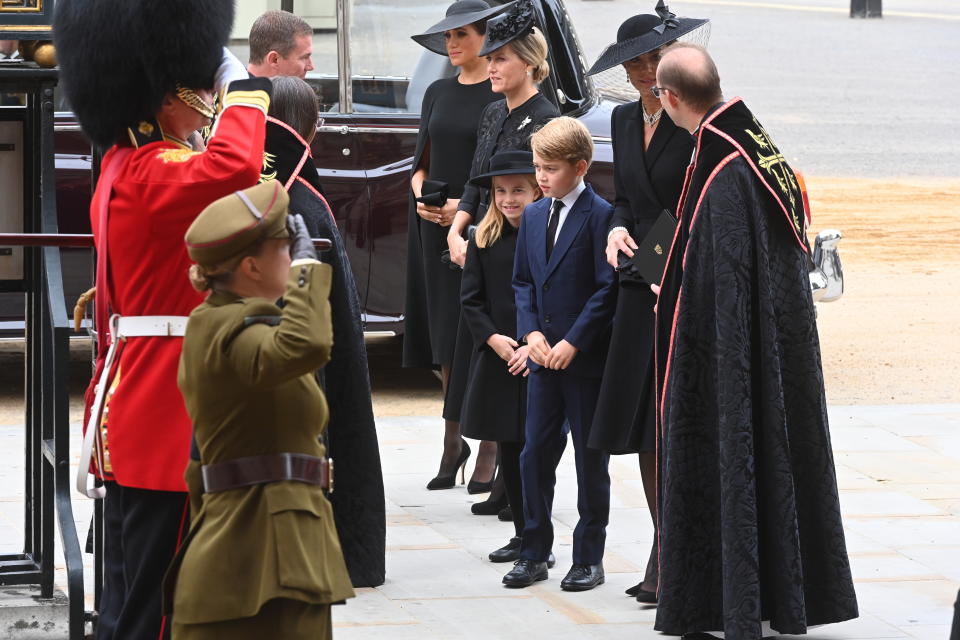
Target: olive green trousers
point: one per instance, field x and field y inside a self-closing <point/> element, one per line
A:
<point x="280" y="618"/>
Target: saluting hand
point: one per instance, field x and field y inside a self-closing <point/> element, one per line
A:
<point x="301" y="244"/>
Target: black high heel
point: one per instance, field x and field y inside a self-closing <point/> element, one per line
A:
<point x="474" y="487"/>
<point x="447" y="481"/>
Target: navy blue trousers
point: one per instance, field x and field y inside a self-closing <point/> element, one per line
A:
<point x="552" y="398"/>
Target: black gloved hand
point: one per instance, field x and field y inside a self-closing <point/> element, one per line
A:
<point x="301" y="245"/>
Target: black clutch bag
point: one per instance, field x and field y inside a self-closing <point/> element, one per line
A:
<point x="434" y="193"/>
<point x="650" y="258"/>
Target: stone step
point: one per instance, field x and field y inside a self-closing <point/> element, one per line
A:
<point x="24" y="615"/>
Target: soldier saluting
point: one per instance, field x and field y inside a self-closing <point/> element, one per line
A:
<point x="142" y="102"/>
<point x="247" y="377"/>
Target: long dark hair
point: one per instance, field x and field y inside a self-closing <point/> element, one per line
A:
<point x="295" y="103"/>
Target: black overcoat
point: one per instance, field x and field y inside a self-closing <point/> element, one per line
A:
<point x="494" y="404"/>
<point x="750" y="525"/>
<point x="358" y="501"/>
<point x="647" y="182"/>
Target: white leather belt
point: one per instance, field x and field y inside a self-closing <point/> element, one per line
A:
<point x="121" y="327"/>
<point x="139" y="326"/>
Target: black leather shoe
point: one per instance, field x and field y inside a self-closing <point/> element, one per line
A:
<point x="507" y="553"/>
<point x="634" y="590"/>
<point x="582" y="577"/>
<point x="525" y="573"/>
<point x="551" y="560"/>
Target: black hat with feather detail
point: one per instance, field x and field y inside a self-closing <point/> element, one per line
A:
<point x="112" y="85"/>
<point x="643" y="33"/>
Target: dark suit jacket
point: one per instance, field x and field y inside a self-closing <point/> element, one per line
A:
<point x="572" y="296"/>
<point x="647" y="182"/>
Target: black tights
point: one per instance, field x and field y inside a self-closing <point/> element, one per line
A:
<point x="510" y="471"/>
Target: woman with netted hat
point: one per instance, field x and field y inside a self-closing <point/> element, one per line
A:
<point x="262" y="559"/>
<point x="650" y="154"/>
<point x="441" y="167"/>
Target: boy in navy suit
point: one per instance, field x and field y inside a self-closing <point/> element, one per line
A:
<point x="565" y="303"/>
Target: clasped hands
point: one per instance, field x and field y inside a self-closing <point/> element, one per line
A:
<point x="442" y="216"/>
<point x="509" y="350"/>
<point x="557" y="357"/>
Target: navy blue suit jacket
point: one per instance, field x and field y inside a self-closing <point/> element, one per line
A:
<point x="572" y="295"/>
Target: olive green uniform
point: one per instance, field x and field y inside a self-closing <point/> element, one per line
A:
<point x="263" y="557"/>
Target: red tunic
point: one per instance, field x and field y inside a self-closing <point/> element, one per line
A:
<point x="156" y="197"/>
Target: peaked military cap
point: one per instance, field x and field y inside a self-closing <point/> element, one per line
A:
<point x="233" y="223"/>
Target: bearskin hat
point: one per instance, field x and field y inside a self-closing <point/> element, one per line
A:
<point x="119" y="58"/>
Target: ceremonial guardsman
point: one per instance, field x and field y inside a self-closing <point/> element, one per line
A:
<point x="262" y="559"/>
<point x="143" y="104"/>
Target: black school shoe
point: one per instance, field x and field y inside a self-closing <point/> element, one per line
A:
<point x="525" y="573"/>
<point x="583" y="577"/>
<point x="510" y="552"/>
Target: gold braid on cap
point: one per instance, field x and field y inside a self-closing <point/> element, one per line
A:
<point x="195" y="102"/>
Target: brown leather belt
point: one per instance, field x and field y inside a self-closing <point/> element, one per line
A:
<point x="245" y="472"/>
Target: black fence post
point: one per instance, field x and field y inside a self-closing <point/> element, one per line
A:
<point x="866" y="8"/>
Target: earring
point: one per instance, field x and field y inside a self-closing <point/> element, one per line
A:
<point x="529" y="73"/>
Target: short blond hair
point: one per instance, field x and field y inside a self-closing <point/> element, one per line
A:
<point x="563" y="138"/>
<point x="532" y="49"/>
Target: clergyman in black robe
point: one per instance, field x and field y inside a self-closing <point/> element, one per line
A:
<point x="750" y="528"/>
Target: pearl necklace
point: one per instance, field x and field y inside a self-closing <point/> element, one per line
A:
<point x="651" y="119"/>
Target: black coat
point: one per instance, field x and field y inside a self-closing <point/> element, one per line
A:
<point x="647" y="182"/>
<point x="750" y="525"/>
<point x="358" y="500"/>
<point x="494" y="405"/>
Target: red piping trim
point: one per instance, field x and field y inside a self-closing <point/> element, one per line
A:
<point x="319" y="195"/>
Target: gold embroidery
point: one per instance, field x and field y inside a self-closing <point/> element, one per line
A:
<point x="145" y="128"/>
<point x="658" y="250"/>
<point x="776" y="165"/>
<point x="269" y="160"/>
<point x="176" y="155"/>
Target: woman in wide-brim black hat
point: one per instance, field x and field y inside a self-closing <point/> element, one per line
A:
<point x="649" y="156"/>
<point x="448" y="135"/>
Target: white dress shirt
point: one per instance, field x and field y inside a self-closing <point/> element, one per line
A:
<point x="568" y="202"/>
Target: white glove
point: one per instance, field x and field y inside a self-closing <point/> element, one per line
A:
<point x="230" y="69"/>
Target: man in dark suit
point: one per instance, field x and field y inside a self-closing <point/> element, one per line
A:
<point x="565" y="302"/>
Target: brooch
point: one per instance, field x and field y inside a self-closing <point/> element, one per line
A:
<point x="525" y="122"/>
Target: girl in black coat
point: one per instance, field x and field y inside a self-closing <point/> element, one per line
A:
<point x="494" y="405"/>
<point x="650" y="154"/>
<point x="517" y="63"/>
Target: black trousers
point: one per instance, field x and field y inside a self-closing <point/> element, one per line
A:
<point x="142" y="529"/>
<point x="512" y="481"/>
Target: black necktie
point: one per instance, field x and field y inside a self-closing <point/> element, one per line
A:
<point x="552" y="225"/>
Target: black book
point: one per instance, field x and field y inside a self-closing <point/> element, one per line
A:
<point x="650" y="258"/>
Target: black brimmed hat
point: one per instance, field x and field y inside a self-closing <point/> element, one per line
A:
<point x="507" y="27"/>
<point x="506" y="163"/>
<point x="642" y="34"/>
<point x="459" y="14"/>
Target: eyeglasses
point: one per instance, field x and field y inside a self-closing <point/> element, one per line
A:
<point x="658" y="91"/>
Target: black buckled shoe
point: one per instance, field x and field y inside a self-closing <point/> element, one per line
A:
<point x="525" y="573"/>
<point x="507" y="553"/>
<point x="582" y="577"/>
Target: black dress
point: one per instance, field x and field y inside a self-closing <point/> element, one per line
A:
<point x="449" y="119"/>
<point x="647" y="182"/>
<point x="494" y="404"/>
<point x="503" y="130"/>
<point x="500" y="130"/>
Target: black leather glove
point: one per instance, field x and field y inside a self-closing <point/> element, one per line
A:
<point x="301" y="244"/>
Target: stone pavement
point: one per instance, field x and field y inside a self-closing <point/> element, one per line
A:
<point x="900" y="492"/>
